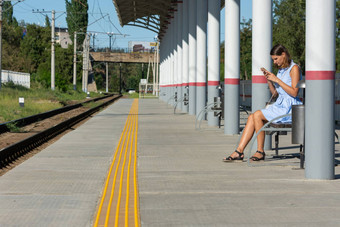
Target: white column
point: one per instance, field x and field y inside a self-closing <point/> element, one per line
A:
<point x="185" y="49"/>
<point x="214" y="8"/>
<point x="261" y="46"/>
<point x="174" y="37"/>
<point x="320" y="75"/>
<point x="201" y="82"/>
<point x="232" y="67"/>
<point x="171" y="82"/>
<point x="168" y="66"/>
<point x="192" y="56"/>
<point x="179" y="55"/>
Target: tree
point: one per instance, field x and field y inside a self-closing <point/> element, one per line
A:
<point x="337" y="36"/>
<point x="47" y="22"/>
<point x="77" y="18"/>
<point x="7" y="12"/>
<point x="289" y="28"/>
<point x="246" y="50"/>
<point x="36" y="45"/>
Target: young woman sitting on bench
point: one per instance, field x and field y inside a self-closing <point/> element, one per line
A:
<point x="284" y="86"/>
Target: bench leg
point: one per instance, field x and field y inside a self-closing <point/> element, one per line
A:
<point x="277" y="143"/>
<point x="302" y="156"/>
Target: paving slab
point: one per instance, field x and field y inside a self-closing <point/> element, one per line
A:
<point x="183" y="181"/>
<point x="61" y="185"/>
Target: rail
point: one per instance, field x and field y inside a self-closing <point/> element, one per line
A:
<point x="38" y="117"/>
<point x="12" y="152"/>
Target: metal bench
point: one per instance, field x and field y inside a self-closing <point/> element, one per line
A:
<point x="185" y="100"/>
<point x="271" y="128"/>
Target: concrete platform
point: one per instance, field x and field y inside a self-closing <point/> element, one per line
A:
<point x="62" y="185"/>
<point x="182" y="179"/>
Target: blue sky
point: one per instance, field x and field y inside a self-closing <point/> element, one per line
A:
<point x="97" y="9"/>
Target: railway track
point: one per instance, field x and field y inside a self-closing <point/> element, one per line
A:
<point x="12" y="152"/>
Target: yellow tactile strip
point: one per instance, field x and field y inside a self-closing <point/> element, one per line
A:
<point x="119" y="202"/>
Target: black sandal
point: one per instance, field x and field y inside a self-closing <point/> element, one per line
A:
<point x="253" y="158"/>
<point x="238" y="158"/>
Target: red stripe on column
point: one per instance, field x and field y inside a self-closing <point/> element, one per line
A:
<point x="192" y="84"/>
<point x="231" y="81"/>
<point x="185" y="84"/>
<point x="320" y="75"/>
<point x="256" y="79"/>
<point x="201" y="84"/>
<point x="213" y="83"/>
<point x="247" y="96"/>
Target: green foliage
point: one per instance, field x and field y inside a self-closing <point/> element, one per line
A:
<point x="131" y="75"/>
<point x="246" y="50"/>
<point x="289" y="28"/>
<point x="64" y="67"/>
<point x="35" y="46"/>
<point x="12" y="58"/>
<point x="7" y="12"/>
<point x="47" y="22"/>
<point x="14" y="128"/>
<point x="37" y="100"/>
<point x="337" y="15"/>
<point x="77" y="18"/>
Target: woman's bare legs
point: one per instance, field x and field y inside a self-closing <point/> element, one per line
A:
<point x="259" y="122"/>
<point x="254" y="123"/>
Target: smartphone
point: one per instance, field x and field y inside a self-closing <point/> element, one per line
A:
<point x="263" y="69"/>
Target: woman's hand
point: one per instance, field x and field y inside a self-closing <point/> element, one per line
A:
<point x="270" y="76"/>
<point x="295" y="77"/>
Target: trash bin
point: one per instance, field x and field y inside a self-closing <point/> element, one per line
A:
<point x="298" y="124"/>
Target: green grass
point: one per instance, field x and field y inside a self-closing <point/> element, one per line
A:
<point x="37" y="100"/>
<point x="132" y="95"/>
<point x="136" y="95"/>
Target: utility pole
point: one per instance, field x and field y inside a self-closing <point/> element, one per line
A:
<point x="86" y="52"/>
<point x="53" y="52"/>
<point x="110" y="34"/>
<point x="52" y="42"/>
<point x="157" y="69"/>
<point x="120" y="78"/>
<point x="107" y="77"/>
<point x="75" y="62"/>
<point x="94" y="37"/>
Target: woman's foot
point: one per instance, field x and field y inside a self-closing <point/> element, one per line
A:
<point x="235" y="156"/>
<point x="258" y="156"/>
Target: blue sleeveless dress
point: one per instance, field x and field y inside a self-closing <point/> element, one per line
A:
<point x="284" y="102"/>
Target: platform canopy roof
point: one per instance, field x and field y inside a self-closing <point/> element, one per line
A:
<point x="154" y="15"/>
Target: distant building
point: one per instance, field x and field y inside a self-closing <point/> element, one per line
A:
<point x="141" y="46"/>
<point x="62" y="37"/>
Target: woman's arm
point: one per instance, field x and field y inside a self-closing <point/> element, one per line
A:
<point x="294" y="74"/>
<point x="272" y="88"/>
<point x="270" y="83"/>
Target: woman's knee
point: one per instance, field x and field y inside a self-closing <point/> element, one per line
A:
<point x="258" y="115"/>
<point x="250" y="118"/>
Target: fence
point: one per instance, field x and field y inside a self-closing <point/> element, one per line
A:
<point x="17" y="78"/>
